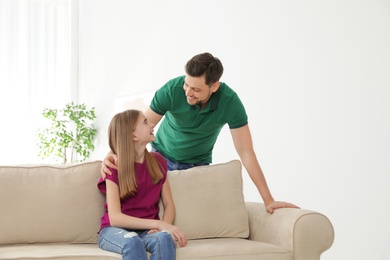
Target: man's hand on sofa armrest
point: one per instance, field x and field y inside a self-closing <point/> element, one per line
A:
<point x="302" y="232"/>
<point x="278" y="205"/>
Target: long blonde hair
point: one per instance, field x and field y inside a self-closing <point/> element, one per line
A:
<point x="120" y="136"/>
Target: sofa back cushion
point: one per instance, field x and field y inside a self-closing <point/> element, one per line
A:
<point x="209" y="201"/>
<point x="51" y="203"/>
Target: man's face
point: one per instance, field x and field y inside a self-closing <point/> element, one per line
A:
<point x="197" y="92"/>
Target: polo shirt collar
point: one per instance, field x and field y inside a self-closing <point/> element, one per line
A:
<point x="214" y="100"/>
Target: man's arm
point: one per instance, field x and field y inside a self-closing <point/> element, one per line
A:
<point x="152" y="116"/>
<point x="111" y="161"/>
<point x="243" y="143"/>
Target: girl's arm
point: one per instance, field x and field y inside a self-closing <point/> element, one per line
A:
<point x="169" y="214"/>
<point x="169" y="206"/>
<point x="117" y="218"/>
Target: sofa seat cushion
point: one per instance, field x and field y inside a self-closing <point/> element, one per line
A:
<point x="231" y="248"/>
<point x="219" y="248"/>
<point x="209" y="201"/>
<point x="55" y="251"/>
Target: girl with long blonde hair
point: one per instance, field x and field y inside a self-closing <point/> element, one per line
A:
<point x="131" y="225"/>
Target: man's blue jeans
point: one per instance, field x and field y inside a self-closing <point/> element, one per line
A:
<point x="133" y="245"/>
<point x="173" y="165"/>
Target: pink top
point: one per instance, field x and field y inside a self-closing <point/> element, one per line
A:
<point x="144" y="204"/>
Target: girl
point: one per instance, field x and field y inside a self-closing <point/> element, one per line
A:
<point x="131" y="224"/>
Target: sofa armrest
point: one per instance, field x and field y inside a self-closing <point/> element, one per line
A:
<point x="307" y="234"/>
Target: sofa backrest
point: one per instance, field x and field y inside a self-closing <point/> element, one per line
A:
<point x="62" y="204"/>
<point x="209" y="201"/>
<point x="56" y="204"/>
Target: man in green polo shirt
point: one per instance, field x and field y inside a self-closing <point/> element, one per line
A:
<point x="195" y="107"/>
<point x="188" y="132"/>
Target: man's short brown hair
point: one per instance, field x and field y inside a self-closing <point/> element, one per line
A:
<point x="207" y="65"/>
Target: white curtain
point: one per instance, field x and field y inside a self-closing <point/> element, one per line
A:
<point x="35" y="71"/>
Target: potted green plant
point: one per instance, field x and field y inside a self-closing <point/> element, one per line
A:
<point x="69" y="134"/>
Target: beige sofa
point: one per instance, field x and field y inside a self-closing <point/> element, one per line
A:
<point x="53" y="212"/>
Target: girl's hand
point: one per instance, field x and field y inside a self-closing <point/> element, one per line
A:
<point x="177" y="235"/>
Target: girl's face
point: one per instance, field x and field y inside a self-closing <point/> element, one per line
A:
<point x="143" y="132"/>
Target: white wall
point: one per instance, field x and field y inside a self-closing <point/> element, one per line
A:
<point x="315" y="79"/>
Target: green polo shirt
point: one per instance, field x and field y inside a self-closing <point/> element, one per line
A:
<point x="187" y="134"/>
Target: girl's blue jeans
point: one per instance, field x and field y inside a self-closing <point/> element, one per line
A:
<point x="133" y="245"/>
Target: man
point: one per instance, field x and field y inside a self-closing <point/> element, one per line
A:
<point x="196" y="107"/>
